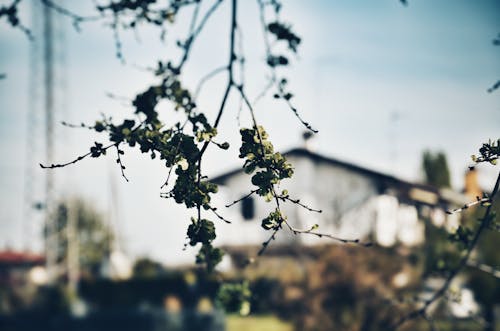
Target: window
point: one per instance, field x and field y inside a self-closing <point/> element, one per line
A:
<point x="248" y="208"/>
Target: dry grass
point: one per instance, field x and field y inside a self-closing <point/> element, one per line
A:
<point x="260" y="323"/>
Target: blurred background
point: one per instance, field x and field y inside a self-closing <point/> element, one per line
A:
<point x="399" y="96"/>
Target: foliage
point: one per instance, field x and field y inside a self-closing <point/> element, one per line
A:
<point x="436" y="169"/>
<point x="483" y="274"/>
<point x="468" y="239"/>
<point x="440" y="254"/>
<point x="93" y="236"/>
<point x="348" y="288"/>
<point x="489" y="152"/>
<point x="186" y="286"/>
<point x="234" y="298"/>
<point x="146" y="268"/>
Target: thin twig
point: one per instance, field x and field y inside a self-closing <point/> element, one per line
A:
<point x="241" y="62"/>
<point x="189" y="41"/>
<point x="207" y="77"/>
<point x="168" y="177"/>
<point x="77" y="126"/>
<point x="81" y="157"/>
<point x="267" y="242"/>
<point x="463" y="263"/>
<point x="468" y="205"/>
<point x="273" y="79"/>
<point x="116" y="36"/>
<point x="219" y="216"/>
<point x="296" y="113"/>
<point x="230" y="82"/>
<point x="241" y="199"/>
<point x="228" y="87"/>
<point x="77" y="19"/>
<point x="297" y="202"/>
<point x="119" y="161"/>
<point x="194" y="18"/>
<point x="326" y="235"/>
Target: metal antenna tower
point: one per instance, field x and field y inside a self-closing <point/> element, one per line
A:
<point x="31" y="190"/>
<point x="46" y="96"/>
<point x="49" y="94"/>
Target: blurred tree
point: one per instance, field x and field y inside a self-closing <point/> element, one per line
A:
<point x="146" y="268"/>
<point x="484" y="276"/>
<point x="91" y="237"/>
<point x="471" y="238"/>
<point x="436" y="169"/>
<point x="440" y="254"/>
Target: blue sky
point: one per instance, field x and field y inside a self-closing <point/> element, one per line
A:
<point x="381" y="82"/>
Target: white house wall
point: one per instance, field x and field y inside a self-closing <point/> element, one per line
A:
<point x="353" y="208"/>
<point x="345" y="197"/>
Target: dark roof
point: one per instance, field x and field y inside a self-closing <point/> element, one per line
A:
<point x="384" y="180"/>
<point x="12" y="257"/>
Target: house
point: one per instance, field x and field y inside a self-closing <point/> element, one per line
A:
<point x="19" y="272"/>
<point x="356" y="202"/>
<point x="15" y="267"/>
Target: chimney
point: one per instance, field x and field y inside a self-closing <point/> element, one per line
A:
<point x="307" y="137"/>
<point x="472" y="189"/>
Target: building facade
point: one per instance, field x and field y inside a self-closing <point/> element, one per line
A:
<point x="356" y="203"/>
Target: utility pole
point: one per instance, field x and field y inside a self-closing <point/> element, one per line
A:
<point x="73" y="255"/>
<point x="48" y="79"/>
<point x="32" y="192"/>
<point x="46" y="95"/>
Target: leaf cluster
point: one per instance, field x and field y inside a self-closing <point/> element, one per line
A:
<point x="234" y="297"/>
<point x="203" y="231"/>
<point x="283" y="33"/>
<point x="180" y="149"/>
<point x="273" y="221"/>
<point x="489" y="152"/>
<point x="259" y="155"/>
<point x="11" y="13"/>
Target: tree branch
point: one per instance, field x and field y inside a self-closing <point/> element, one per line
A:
<point x="463" y="263"/>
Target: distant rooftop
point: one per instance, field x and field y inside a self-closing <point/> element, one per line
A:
<point x="415" y="192"/>
<point x="14" y="257"/>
